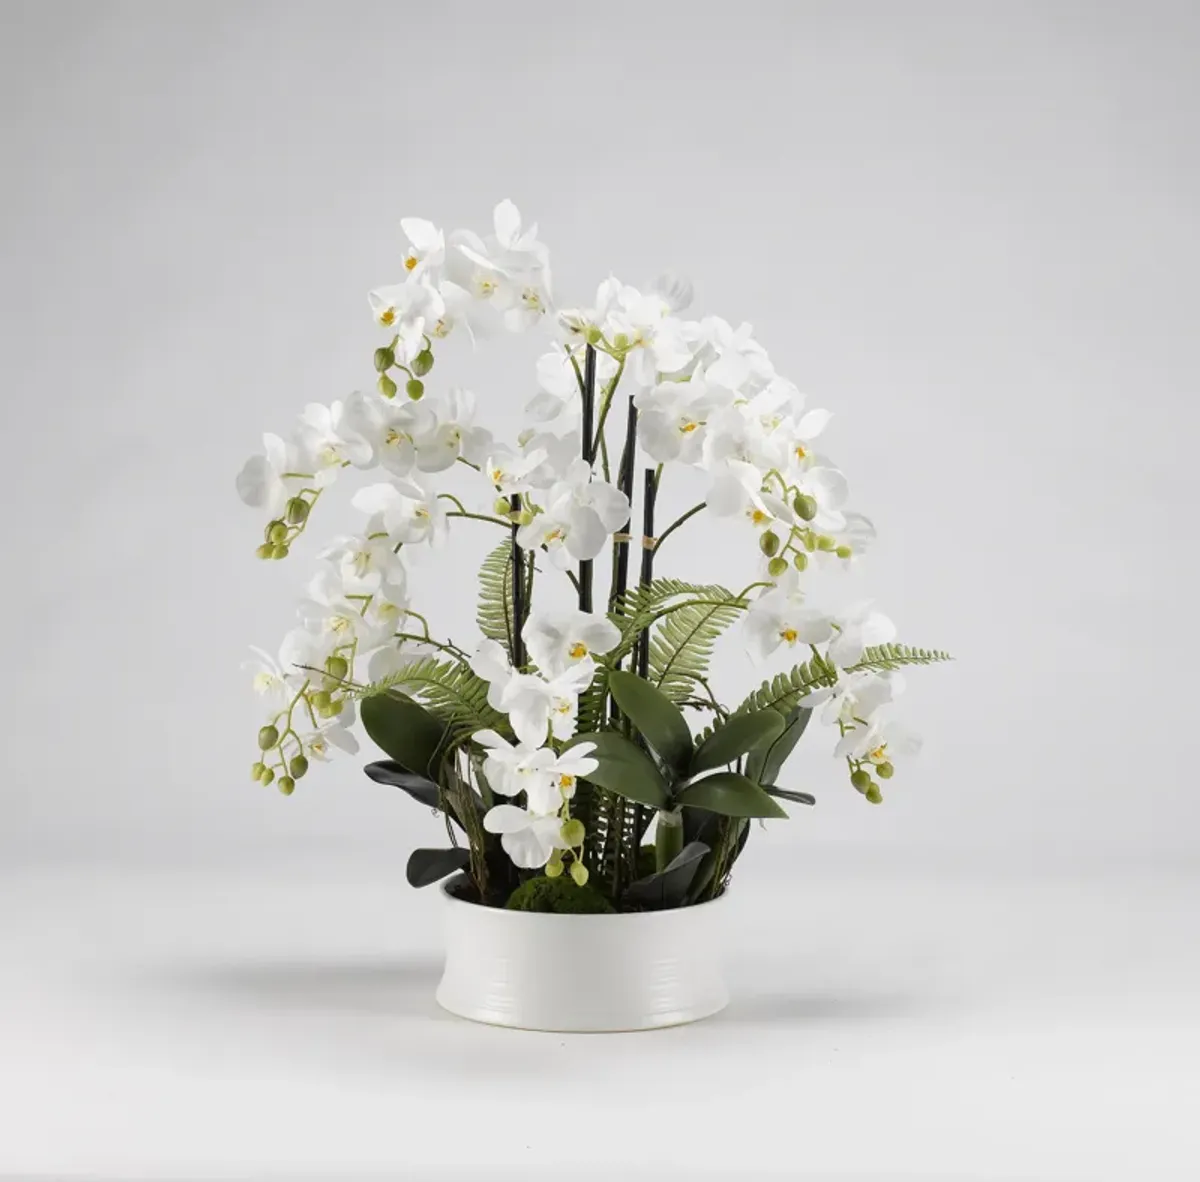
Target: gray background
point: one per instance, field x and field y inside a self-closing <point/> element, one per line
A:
<point x="970" y="229"/>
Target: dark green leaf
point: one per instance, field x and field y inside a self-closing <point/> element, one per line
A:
<point x="405" y="730"/>
<point x="430" y="866"/>
<point x="668" y="888"/>
<point x="731" y="795"/>
<point x="788" y="794"/>
<point x="625" y="769"/>
<point x="766" y="760"/>
<point x="656" y="717"/>
<point x="422" y="790"/>
<point x="732" y="739"/>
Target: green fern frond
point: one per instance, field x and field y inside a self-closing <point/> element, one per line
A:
<point x="893" y="656"/>
<point x="784" y="690"/>
<point x="495" y="610"/>
<point x="682" y="643"/>
<point x="448" y="689"/>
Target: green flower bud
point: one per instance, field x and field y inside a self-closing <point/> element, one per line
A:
<point x="268" y="736"/>
<point x="319" y="700"/>
<point x="843" y="551"/>
<point x="769" y="544"/>
<point x="267" y="775"/>
<point x="287" y="785"/>
<point x="257" y="769"/>
<point x="386" y="386"/>
<point x="298" y="767"/>
<point x="800" y="561"/>
<point x="337" y="667"/>
<point x="266" y="550"/>
<point x="621" y="341"/>
<point x="524" y="517"/>
<point x="502" y="508"/>
<point x="422" y="363"/>
<point x="555" y="866"/>
<point x="861" y="780"/>
<point x="336" y="706"/>
<point x="279" y="550"/>
<point x="415" y="389"/>
<point x="573" y="833"/>
<point x="874" y="795"/>
<point x="579" y="873"/>
<point x="826" y="543"/>
<point x="805" y="506"/>
<point x="297" y="511"/>
<point x="776" y="566"/>
<point x="593" y="335"/>
<point x="885" y="771"/>
<point x="810" y="541"/>
<point x="384" y="359"/>
<point x="277" y="533"/>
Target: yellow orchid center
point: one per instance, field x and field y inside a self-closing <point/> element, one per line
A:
<point x="790" y="635"/>
<point x="341" y="624"/>
<point x="394" y="438"/>
<point x="758" y="517"/>
<point x="265" y="681"/>
<point x="577" y="651"/>
<point x="555" y="535"/>
<point x="800" y="451"/>
<point x="688" y="426"/>
<point x="387" y="316"/>
<point x="879" y="755"/>
<point x="410" y="262"/>
<point x="565" y="781"/>
<point x="563" y="706"/>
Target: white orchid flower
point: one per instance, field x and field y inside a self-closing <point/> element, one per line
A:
<point x="406" y="511"/>
<point x="509" y="471"/>
<point x="368" y="563"/>
<point x="264" y="483"/>
<point x="558" y="640"/>
<point x="855" y="697"/>
<point x="273" y="682"/>
<point x="878" y="742"/>
<point x="407" y="310"/>
<point x="738" y="362"/>
<point x="394" y="658"/>
<point x="579" y="517"/>
<point x="527" y="838"/>
<point x="393" y="429"/>
<point x="830" y="489"/>
<point x="673" y="418"/>
<point x="335" y="733"/>
<point x="511" y="269"/>
<point x="334" y="620"/>
<point x="572" y="765"/>
<point x="779" y="617"/>
<point x="427" y="246"/>
<point x="859" y="627"/>
<point x="330" y="436"/>
<point x="534" y="704"/>
<point x="454" y="435"/>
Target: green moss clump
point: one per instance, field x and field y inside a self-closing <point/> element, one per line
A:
<point x="558" y="896"/>
<point x="647" y="861"/>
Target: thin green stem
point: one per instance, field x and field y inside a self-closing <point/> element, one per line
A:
<point x="683" y="517"/>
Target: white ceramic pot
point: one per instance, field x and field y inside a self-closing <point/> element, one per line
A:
<point x="587" y="973"/>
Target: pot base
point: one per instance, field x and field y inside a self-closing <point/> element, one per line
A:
<point x="582" y="973"/>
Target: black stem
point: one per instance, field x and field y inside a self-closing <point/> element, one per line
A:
<point x="649" y="493"/>
<point x="518" y="587"/>
<point x="588" y="396"/>
<point x="625" y="484"/>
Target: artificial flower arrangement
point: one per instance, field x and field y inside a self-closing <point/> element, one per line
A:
<point x="579" y="755"/>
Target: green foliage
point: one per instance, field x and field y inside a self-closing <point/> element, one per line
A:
<point x="655" y="716"/>
<point x="625" y="768"/>
<point x="766" y="760"/>
<point x="893" y="656"/>
<point x="732" y="739"/>
<point x="495" y="610"/>
<point x="559" y="896"/>
<point x="429" y="866"/>
<point x="685" y="620"/>
<point x="731" y="795"/>
<point x="784" y="691"/>
<point x="404" y="729"/>
<point x="669" y="887"/>
<point x="455" y="695"/>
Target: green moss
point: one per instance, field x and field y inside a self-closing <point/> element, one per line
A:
<point x="559" y="896"/>
<point x="647" y="862"/>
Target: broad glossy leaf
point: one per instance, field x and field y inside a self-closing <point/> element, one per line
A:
<point x="765" y="762"/>
<point x="625" y="769"/>
<point x="657" y="719"/>
<point x="430" y="866"/>
<point x="404" y="729"/>
<point x="669" y="887"/>
<point x="731" y="795"/>
<point x="732" y="739"/>
<point x="420" y="788"/>
<point x="788" y="794"/>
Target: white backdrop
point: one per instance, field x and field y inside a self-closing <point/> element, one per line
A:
<point x="969" y="229"/>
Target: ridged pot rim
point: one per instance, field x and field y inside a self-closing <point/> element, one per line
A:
<point x="662" y="914"/>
